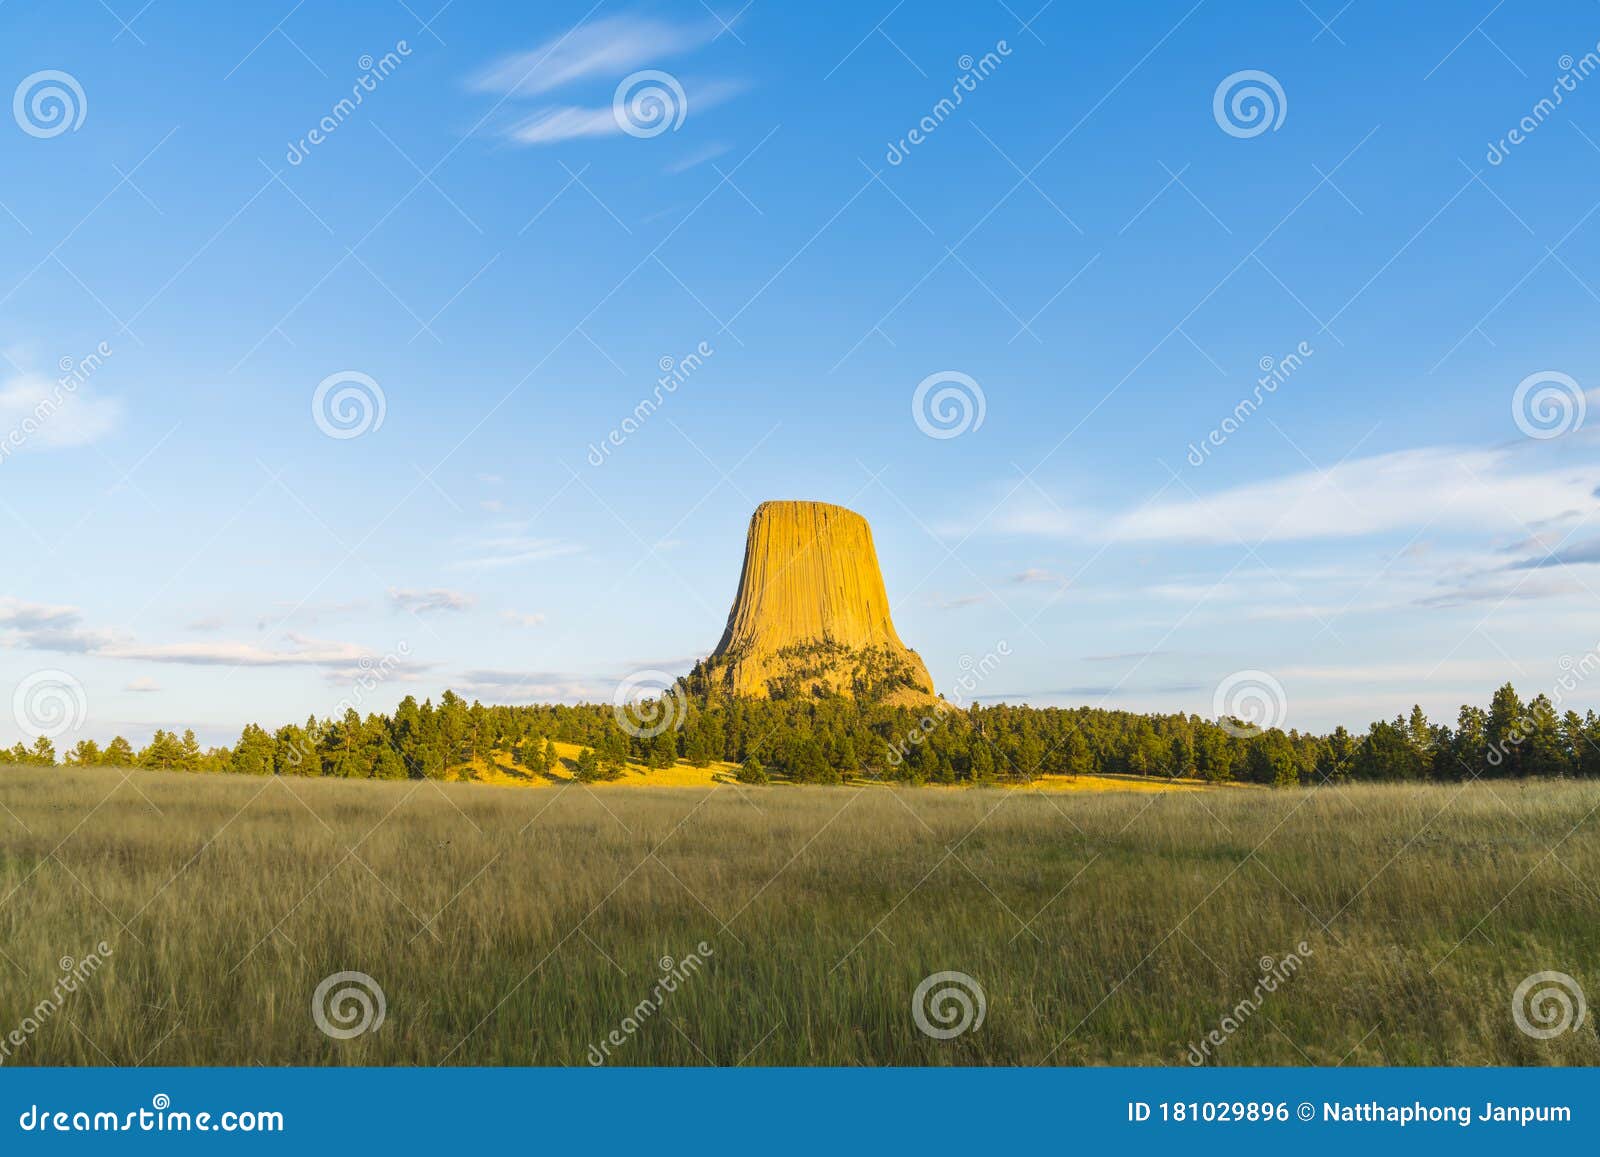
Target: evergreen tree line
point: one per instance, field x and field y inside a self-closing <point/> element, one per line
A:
<point x="825" y="740"/>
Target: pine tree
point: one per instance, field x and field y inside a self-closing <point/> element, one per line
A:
<point x="1074" y="754"/>
<point x="588" y="768"/>
<point x="118" y="753"/>
<point x="293" y="752"/>
<point x="699" y="751"/>
<point x="663" y="751"/>
<point x="980" y="758"/>
<point x="1543" y="753"/>
<point x="189" y="760"/>
<point x="163" y="753"/>
<point x="387" y="764"/>
<point x="1505" y="732"/>
<point x="848" y="760"/>
<point x="1589" y="748"/>
<point x="1029" y="757"/>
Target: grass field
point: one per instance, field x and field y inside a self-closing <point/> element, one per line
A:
<point x="526" y="926"/>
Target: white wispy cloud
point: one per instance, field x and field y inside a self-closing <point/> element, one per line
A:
<point x="37" y="412"/>
<point x="143" y="684"/>
<point x="549" y="126"/>
<point x="511" y="686"/>
<point x="47" y="627"/>
<point x="392" y="669"/>
<point x="61" y="629"/>
<point x="300" y="652"/>
<point x="511" y="547"/>
<point x="1437" y="486"/>
<point x="1478" y="672"/>
<point x="1581" y="552"/>
<point x="306" y="614"/>
<point x="15" y="614"/>
<point x="523" y="620"/>
<point x="698" y="157"/>
<point x="596" y="55"/>
<point x="1442" y="488"/>
<point x="1035" y="574"/>
<point x="566" y="123"/>
<point x="608" y="47"/>
<point x="421" y="602"/>
<point x="532" y="687"/>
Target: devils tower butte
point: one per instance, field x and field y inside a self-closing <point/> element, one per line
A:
<point x="811" y="615"/>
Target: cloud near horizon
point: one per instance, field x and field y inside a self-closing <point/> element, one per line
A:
<point x="61" y="629"/>
<point x="303" y="652"/>
<point x="1440" y="487"/>
<point x="531" y="687"/>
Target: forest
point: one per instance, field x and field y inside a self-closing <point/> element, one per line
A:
<point x="834" y="739"/>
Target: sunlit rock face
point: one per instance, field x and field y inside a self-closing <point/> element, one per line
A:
<point x="811" y="615"/>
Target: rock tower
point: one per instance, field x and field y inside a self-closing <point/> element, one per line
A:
<point x="811" y="615"/>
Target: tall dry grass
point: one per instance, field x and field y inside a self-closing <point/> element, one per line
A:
<point x="519" y="927"/>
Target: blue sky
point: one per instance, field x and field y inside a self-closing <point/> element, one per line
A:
<point x="1082" y="237"/>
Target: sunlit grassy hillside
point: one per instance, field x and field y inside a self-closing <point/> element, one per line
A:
<point x="505" y="771"/>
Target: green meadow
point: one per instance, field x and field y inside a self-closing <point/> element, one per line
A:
<point x="785" y="925"/>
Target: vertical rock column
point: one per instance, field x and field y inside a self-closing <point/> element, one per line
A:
<point x="811" y="603"/>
